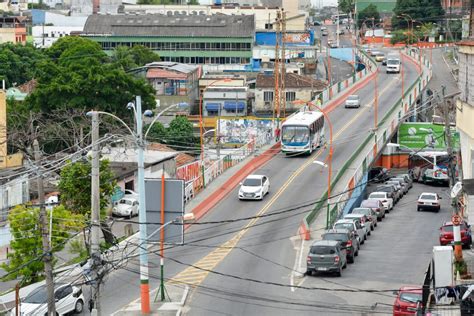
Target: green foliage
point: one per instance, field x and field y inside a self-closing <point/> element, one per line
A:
<point x="77" y="247"/>
<point x="137" y="56"/>
<point x="193" y="2"/>
<point x="79" y="76"/>
<point x="18" y="63"/>
<point x="421" y="10"/>
<point x="460" y="266"/>
<point x="25" y="258"/>
<point x="370" y="12"/>
<point x="399" y="36"/>
<point x="75" y="186"/>
<point x="179" y="135"/>
<point x="346" y="6"/>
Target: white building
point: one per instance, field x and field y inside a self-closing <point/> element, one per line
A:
<point x="45" y="36"/>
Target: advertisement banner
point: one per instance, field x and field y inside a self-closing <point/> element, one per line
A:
<point x="426" y="136"/>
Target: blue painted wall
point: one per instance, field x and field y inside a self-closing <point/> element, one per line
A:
<point x="357" y="195"/>
<point x="293" y="39"/>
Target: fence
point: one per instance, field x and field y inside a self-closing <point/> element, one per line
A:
<point x="369" y="147"/>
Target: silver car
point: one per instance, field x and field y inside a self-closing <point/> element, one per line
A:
<point x="402" y="183"/>
<point x="326" y="256"/>
<point x="355" y="224"/>
<point x="398" y="186"/>
<point x="364" y="221"/>
<point x="370" y="213"/>
<point x="352" y="101"/>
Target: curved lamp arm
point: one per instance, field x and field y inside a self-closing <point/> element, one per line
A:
<point x="90" y="113"/>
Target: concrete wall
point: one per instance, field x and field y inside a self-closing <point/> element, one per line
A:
<point x="301" y="94"/>
<point x="7" y="35"/>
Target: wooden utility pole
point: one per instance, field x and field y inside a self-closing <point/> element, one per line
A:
<point x="43" y="222"/>
<point x="276" y="72"/>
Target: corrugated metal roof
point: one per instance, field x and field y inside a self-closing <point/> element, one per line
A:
<point x="171" y="25"/>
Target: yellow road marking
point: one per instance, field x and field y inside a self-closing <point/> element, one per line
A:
<point x="194" y="275"/>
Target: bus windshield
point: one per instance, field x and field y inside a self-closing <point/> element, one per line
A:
<point x="295" y="135"/>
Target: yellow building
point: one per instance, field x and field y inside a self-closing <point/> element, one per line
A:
<point x="6" y="161"/>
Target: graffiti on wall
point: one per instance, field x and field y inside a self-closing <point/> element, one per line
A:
<point x="241" y="131"/>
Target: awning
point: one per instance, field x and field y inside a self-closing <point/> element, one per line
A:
<point x="213" y="106"/>
<point x="232" y="105"/>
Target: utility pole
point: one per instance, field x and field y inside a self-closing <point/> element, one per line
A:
<point x="95" y="216"/>
<point x="43" y="221"/>
<point x="451" y="176"/>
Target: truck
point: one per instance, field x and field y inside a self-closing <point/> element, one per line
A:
<point x="393" y="63"/>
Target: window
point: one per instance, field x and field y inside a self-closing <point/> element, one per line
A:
<point x="63" y="292"/>
<point x="268" y="26"/>
<point x="290" y="96"/>
<point x="268" y="96"/>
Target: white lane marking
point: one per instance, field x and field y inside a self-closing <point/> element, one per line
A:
<point x="297" y="266"/>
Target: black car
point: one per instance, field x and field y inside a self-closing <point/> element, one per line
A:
<point x="378" y="174"/>
<point x="348" y="241"/>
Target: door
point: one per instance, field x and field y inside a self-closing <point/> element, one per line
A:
<point x="64" y="300"/>
<point x="266" y="185"/>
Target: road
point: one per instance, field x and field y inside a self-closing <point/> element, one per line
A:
<point x="265" y="251"/>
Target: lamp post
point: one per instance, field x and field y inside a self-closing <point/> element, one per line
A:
<point x="139" y="141"/>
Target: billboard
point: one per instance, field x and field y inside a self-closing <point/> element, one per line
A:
<point x="426" y="136"/>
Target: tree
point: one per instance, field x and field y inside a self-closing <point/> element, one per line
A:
<point x="137" y="56"/>
<point x="18" y="63"/>
<point x="370" y="12"/>
<point x="346" y="6"/>
<point x="193" y="2"/>
<point x="421" y="10"/>
<point x="157" y="132"/>
<point x="180" y="134"/>
<point x="75" y="186"/>
<point x="26" y="258"/>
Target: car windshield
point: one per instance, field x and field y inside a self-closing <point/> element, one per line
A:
<point x="252" y="182"/>
<point x="297" y="135"/>
<point x="126" y="202"/>
<point x="392" y="62"/>
<point x="410" y="297"/>
<point x="335" y="236"/>
<point x="38" y="296"/>
<point x="428" y="197"/>
<point x="364" y="211"/>
<point x="377" y="196"/>
<point x="353" y="98"/>
<point x="344" y="225"/>
<point x="323" y="250"/>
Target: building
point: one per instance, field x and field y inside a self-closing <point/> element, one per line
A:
<point x="464" y="115"/>
<point x="297" y="88"/>
<point x="13" y="29"/>
<point x="189" y="39"/>
<point x="45" y="36"/>
<point x="173" y="82"/>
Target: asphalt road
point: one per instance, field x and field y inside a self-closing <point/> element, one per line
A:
<point x="266" y="253"/>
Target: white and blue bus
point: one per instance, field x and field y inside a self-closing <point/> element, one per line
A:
<point x="302" y="132"/>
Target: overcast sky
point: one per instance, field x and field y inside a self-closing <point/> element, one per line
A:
<point x="315" y="3"/>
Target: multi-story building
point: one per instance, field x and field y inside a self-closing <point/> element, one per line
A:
<point x="297" y="88"/>
<point x="224" y="95"/>
<point x="464" y="116"/>
<point x="190" y="39"/>
<point x="13" y="29"/>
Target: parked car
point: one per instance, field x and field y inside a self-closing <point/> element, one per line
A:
<point x="323" y="28"/>
<point x="348" y="224"/>
<point x="384" y="61"/>
<point x="404" y="181"/>
<point x="68" y="297"/>
<point x="446" y="235"/>
<point x="408" y="179"/>
<point x="383" y="197"/>
<point x="347" y="239"/>
<point x="378" y="174"/>
<point x="254" y="187"/>
<point x="380" y="56"/>
<point x="376" y="206"/>
<point x="126" y="207"/>
<point x="391" y="190"/>
<point x="429" y="201"/>
<point x="326" y="256"/>
<point x="408" y="301"/>
<point x="324" y="33"/>
<point x="370" y="213"/>
<point x="403" y="184"/>
<point x="398" y="186"/>
<point x="364" y="221"/>
<point x="353" y="101"/>
<point x="374" y="53"/>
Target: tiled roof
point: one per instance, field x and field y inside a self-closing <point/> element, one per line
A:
<point x="292" y="81"/>
<point x="181" y="158"/>
<point x="162" y="73"/>
<point x="218" y="25"/>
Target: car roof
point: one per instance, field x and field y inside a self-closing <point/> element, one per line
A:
<point x="370" y="202"/>
<point x="411" y="288"/>
<point x="337" y="231"/>
<point x="255" y="176"/>
<point x="429" y="193"/>
<point x="350" y="215"/>
<point x="381" y="192"/>
<point x="361" y="208"/>
<point x="344" y="221"/>
<point x="325" y="243"/>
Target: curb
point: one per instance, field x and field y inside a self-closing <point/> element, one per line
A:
<point x="205" y="206"/>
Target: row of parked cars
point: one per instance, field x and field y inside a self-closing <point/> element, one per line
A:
<point x="341" y="244"/>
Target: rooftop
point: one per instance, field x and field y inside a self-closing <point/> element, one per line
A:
<point x="218" y="25"/>
<point x="292" y="81"/>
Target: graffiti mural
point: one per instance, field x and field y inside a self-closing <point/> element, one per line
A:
<point x="241" y="131"/>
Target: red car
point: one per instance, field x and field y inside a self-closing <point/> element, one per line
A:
<point x="446" y="235"/>
<point x="408" y="301"/>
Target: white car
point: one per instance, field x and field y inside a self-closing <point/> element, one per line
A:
<point x="68" y="297"/>
<point x="383" y="197"/>
<point x="352" y="101"/>
<point x="352" y="225"/>
<point x="254" y="187"/>
<point x="429" y="201"/>
<point x="127" y="207"/>
<point x="363" y="220"/>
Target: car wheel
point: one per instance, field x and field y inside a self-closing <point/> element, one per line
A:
<point x="345" y="265"/>
<point x="130" y="215"/>
<point x="356" y="253"/>
<point x="351" y="259"/>
<point x="370" y="232"/>
<point x="79" y="307"/>
<point x="309" y="272"/>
